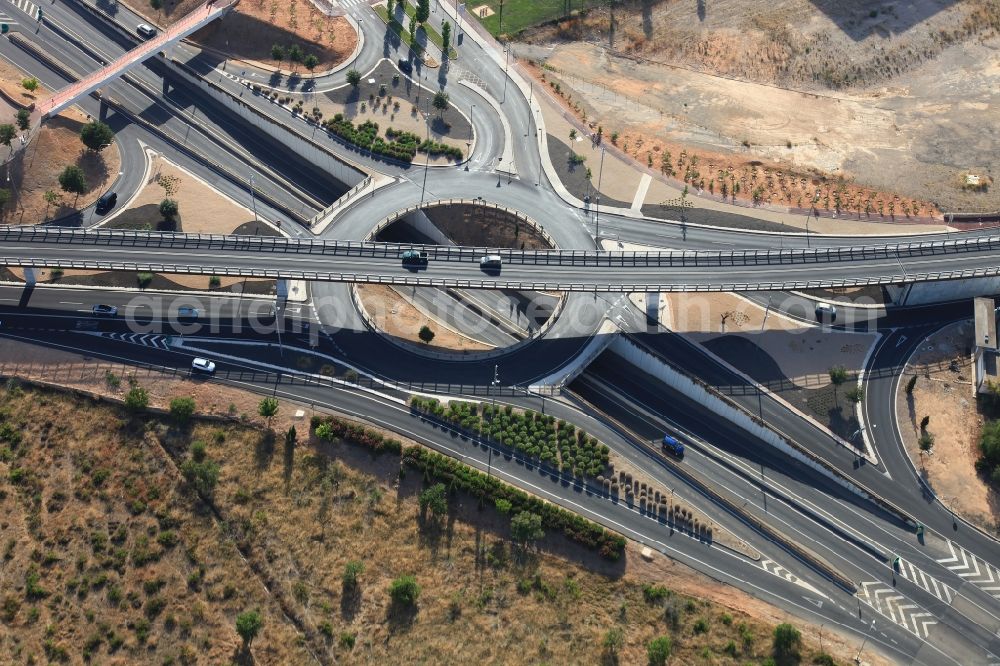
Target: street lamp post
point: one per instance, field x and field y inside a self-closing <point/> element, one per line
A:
<point x="495" y="384"/>
<point x="505" y="67"/>
<point x="427" y="161"/>
<point x="597" y="216"/>
<point x="253" y="202"/>
<point x="469" y="142"/>
<point x="857" y="657"/>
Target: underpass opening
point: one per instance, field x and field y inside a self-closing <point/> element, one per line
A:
<point x="462" y="321"/>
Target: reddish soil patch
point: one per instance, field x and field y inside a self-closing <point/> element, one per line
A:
<point x="36" y="171"/>
<point x="249" y="31"/>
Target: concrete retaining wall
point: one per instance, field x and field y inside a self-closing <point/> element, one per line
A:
<point x="939" y="292"/>
<point x="298" y="146"/>
<point x="637" y="354"/>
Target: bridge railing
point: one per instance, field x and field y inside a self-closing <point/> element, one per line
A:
<point x="414" y="280"/>
<point x="685" y="258"/>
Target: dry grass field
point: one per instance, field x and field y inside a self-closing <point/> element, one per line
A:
<point x="110" y="557"/>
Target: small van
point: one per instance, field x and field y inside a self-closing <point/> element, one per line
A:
<point x="145" y="30"/>
<point x="490" y="262"/>
<point x="826" y="312"/>
<point x="106" y="202"/>
<point x="673" y="445"/>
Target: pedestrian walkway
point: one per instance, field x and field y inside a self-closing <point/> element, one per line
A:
<point x="196" y="19"/>
<point x="640" y="192"/>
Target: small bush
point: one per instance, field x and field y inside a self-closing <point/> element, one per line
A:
<point x="347" y="640"/>
<point x="182" y="409"/>
<point x="137" y="399"/>
<point x="144" y="279"/>
<point x="404" y="591"/>
<point x="659" y="650"/>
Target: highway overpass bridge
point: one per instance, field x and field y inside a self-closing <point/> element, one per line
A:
<point x="194" y="20"/>
<point x="542" y="270"/>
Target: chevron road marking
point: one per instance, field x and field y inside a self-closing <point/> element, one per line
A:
<point x="145" y="339"/>
<point x="972" y="569"/>
<point x="26" y="6"/>
<point x="776" y="569"/>
<point x="925" y="581"/>
<point x="888" y="602"/>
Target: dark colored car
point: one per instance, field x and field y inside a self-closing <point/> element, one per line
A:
<point x="405" y="66"/>
<point x="106" y="202"/>
<point x="102" y="310"/>
<point x="414" y="258"/>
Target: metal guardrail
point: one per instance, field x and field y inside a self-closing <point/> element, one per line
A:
<point x="415" y="281"/>
<point x="686" y="258"/>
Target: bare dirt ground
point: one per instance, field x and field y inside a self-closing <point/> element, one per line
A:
<point x="944" y="392"/>
<point x="249" y="31"/>
<point x="56" y="145"/>
<point x="396" y="316"/>
<point x="275" y="521"/>
<point x="36" y="171"/>
<point x="887" y="105"/>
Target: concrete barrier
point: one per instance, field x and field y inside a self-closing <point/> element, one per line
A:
<point x="651" y="362"/>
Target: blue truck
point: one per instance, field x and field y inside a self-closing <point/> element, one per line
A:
<point x="673" y="445"/>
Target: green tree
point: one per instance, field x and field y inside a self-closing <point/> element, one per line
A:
<point x="202" y="476"/>
<point x="413" y="30"/>
<point x="503" y="506"/>
<point x="267" y="408"/>
<point x="441" y="101"/>
<point x="989" y="443"/>
<point x="658" y="650"/>
<point x="73" y="180"/>
<point x="423" y="11"/>
<point x="277" y="53"/>
<point x="7" y="133"/>
<point x="856" y="394"/>
<point x="390" y="9"/>
<point x="352" y="570"/>
<point x="445" y="38"/>
<point x="23" y="119"/>
<point x="248" y="625"/>
<point x="838" y="375"/>
<point x="295" y="53"/>
<point x="435" y="498"/>
<point x="354" y="77"/>
<point x="787" y="641"/>
<point x="169" y="209"/>
<point x="4" y="197"/>
<point x="310" y="62"/>
<point x="526" y="527"/>
<point x="96" y="135"/>
<point x="182" y="409"/>
<point x="30" y="84"/>
<point x="426" y="334"/>
<point x="614" y="641"/>
<point x="137" y="399"/>
<point x="404" y="591"/>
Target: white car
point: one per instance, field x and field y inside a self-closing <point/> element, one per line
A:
<point x="203" y="365"/>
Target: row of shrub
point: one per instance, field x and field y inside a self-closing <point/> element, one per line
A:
<point x="435" y="148"/>
<point x="366" y="136"/>
<point x="442" y="469"/>
<point x="540" y="436"/>
<point x="332" y="428"/>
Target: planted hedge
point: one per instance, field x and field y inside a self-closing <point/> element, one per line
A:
<point x="366" y="136"/>
<point x="539" y="436"/>
<point x="401" y="145"/>
<point x="442" y="469"/>
<point x="331" y="428"/>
